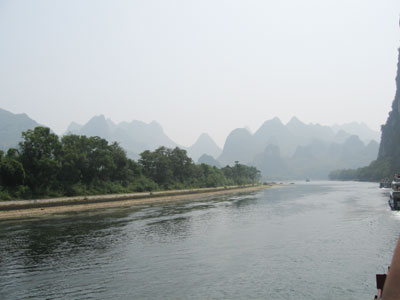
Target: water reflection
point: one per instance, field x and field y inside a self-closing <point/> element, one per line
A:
<point x="282" y="243"/>
<point x="164" y="230"/>
<point x="68" y="235"/>
<point x="59" y="237"/>
<point x="243" y="201"/>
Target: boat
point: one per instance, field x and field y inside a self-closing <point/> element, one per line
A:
<point x="388" y="284"/>
<point x="394" y="200"/>
<point x="396" y="178"/>
<point x="307" y="179"/>
<point x="385" y="183"/>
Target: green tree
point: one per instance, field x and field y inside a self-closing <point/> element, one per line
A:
<point x="241" y="174"/>
<point x="156" y="165"/>
<point x="182" y="166"/>
<point x="78" y="165"/>
<point x="12" y="173"/>
<point x="39" y="153"/>
<point x="93" y="163"/>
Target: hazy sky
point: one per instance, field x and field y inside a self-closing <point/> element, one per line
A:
<point x="199" y="66"/>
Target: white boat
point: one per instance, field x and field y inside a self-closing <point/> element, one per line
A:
<point x="394" y="200"/>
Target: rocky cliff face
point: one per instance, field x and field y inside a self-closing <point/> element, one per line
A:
<point x="390" y="140"/>
<point x="388" y="161"/>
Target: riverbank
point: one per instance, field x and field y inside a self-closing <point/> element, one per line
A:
<point x="21" y="209"/>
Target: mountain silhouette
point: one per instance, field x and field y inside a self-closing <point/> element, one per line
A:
<point x="203" y="145"/>
<point x="11" y="127"/>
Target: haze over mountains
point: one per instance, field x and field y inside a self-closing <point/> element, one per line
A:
<point x="294" y="150"/>
<point x="388" y="161"/>
<point x="204" y="145"/>
<point x="11" y="126"/>
<point x="298" y="150"/>
<point x="135" y="136"/>
<point x="360" y="129"/>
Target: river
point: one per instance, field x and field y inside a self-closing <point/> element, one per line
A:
<point x="316" y="240"/>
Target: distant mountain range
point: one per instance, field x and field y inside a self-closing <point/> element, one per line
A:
<point x="299" y="150"/>
<point x="11" y="127"/>
<point x="204" y="145"/>
<point x="135" y="137"/>
<point x="317" y="159"/>
<point x="294" y="150"/>
<point x="359" y="129"/>
<point x="209" y="160"/>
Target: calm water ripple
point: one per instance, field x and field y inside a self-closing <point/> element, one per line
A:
<point x="317" y="240"/>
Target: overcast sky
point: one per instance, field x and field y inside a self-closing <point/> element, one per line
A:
<point x="199" y="66"/>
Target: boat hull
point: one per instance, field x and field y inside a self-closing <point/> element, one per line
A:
<point x="394" y="200"/>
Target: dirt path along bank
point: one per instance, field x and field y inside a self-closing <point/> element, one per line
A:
<point x="21" y="209"/>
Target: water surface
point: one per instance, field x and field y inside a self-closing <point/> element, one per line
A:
<point x="316" y="240"/>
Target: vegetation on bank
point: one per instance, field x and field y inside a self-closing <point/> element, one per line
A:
<point x="46" y="166"/>
<point x="378" y="169"/>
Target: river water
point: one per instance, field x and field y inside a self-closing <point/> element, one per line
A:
<point x="316" y="240"/>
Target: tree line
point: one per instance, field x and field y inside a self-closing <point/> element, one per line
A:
<point x="376" y="171"/>
<point x="45" y="165"/>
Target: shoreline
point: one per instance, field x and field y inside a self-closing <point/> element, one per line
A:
<point x="26" y="209"/>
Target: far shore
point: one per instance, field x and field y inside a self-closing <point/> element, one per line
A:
<point x="22" y="209"/>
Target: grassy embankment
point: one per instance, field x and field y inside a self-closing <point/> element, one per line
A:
<point x="21" y="209"/>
